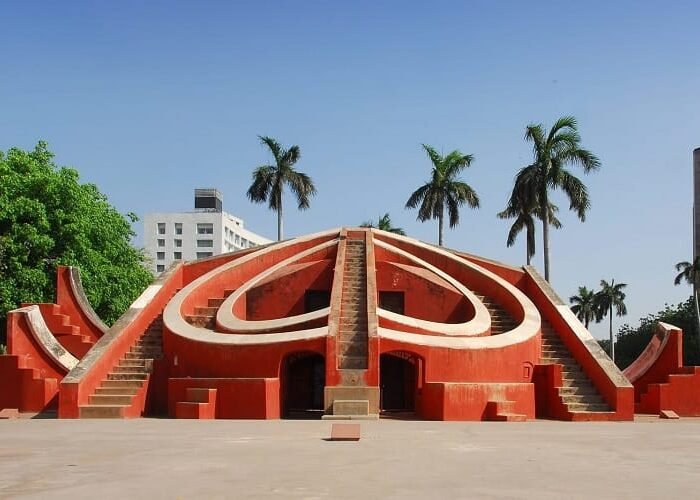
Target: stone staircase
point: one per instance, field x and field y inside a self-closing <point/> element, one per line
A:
<point x="501" y="321"/>
<point x="125" y="385"/>
<point x="577" y="393"/>
<point x="205" y="316"/>
<point x="352" y="332"/>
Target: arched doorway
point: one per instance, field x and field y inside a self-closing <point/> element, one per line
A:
<point x="398" y="379"/>
<point x="303" y="382"/>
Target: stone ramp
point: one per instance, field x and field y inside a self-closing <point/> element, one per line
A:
<point x="353" y="335"/>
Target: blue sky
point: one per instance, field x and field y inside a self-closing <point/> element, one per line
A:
<point x="151" y="101"/>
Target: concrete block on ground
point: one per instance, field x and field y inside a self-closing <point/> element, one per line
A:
<point x="345" y="432"/>
<point x="669" y="414"/>
<point x="9" y="413"/>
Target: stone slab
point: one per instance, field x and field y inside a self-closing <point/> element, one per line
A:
<point x="669" y="414"/>
<point x="345" y="432"/>
<point x="9" y="413"/>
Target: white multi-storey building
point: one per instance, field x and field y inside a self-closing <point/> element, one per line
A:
<point x="203" y="233"/>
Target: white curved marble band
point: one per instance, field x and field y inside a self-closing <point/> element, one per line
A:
<point x="479" y="325"/>
<point x="175" y="323"/>
<point x="528" y="328"/>
<point x="45" y="339"/>
<point x="226" y="319"/>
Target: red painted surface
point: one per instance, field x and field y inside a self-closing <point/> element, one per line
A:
<point x="70" y="306"/>
<point x="463" y="401"/>
<point x="284" y="294"/>
<point x="235" y="398"/>
<point x="660" y="380"/>
<point x="218" y="379"/>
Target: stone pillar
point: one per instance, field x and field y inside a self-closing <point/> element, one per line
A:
<point x="696" y="203"/>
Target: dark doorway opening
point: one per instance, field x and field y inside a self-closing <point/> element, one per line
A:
<point x="303" y="382"/>
<point x="398" y="378"/>
<point x="392" y="301"/>
<point x="316" y="299"/>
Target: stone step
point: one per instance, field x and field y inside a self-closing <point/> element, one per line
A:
<point x="556" y="359"/>
<point x="117" y="390"/>
<point x="121" y="384"/>
<point x="205" y="311"/>
<point x="128" y="369"/>
<point x="587" y="407"/>
<point x="582" y="398"/>
<point x="353" y="347"/>
<point x="100" y="411"/>
<point x="127" y="376"/>
<point x="352" y="362"/>
<point x="110" y="399"/>
<point x="352" y="337"/>
<point x="215" y="302"/>
<point x="584" y="389"/>
<point x="132" y="363"/>
<point x="574" y="381"/>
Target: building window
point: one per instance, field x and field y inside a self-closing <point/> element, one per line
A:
<point x="178" y="228"/>
<point x="160" y="268"/>
<point x="178" y="243"/>
<point x="161" y="228"/>
<point x="160" y="255"/>
<point x="205" y="228"/>
<point x="244" y="243"/>
<point x="177" y="255"/>
<point x="161" y="243"/>
<point x="205" y="243"/>
<point x="238" y="240"/>
<point x="201" y="255"/>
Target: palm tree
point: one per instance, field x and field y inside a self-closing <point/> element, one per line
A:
<point x="610" y="296"/>
<point x="522" y="208"/>
<point x="553" y="151"/>
<point x="384" y="223"/>
<point x="444" y="190"/>
<point x="269" y="180"/>
<point x="689" y="272"/>
<point x="584" y="305"/>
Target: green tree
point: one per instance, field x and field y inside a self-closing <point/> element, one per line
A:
<point x="522" y="207"/>
<point x="608" y="298"/>
<point x="444" y="190"/>
<point x="269" y="180"/>
<point x="584" y="305"/>
<point x="384" y="223"/>
<point x="631" y="341"/>
<point x="48" y="218"/>
<point x="553" y="151"/>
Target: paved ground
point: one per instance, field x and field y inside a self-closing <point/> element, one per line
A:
<point x="152" y="458"/>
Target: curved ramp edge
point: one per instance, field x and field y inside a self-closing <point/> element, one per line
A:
<point x="651" y="353"/>
<point x="57" y="354"/>
<point x="81" y="300"/>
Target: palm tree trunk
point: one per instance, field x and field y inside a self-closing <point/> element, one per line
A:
<point x="279" y="217"/>
<point x="440" y="228"/>
<point x="545" y="240"/>
<point x="527" y="254"/>
<point x="612" y="342"/>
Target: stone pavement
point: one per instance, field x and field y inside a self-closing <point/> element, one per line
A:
<point x="182" y="459"/>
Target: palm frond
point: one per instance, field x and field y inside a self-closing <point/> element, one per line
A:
<point x="263" y="178"/>
<point x="303" y="188"/>
<point x="273" y="146"/>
